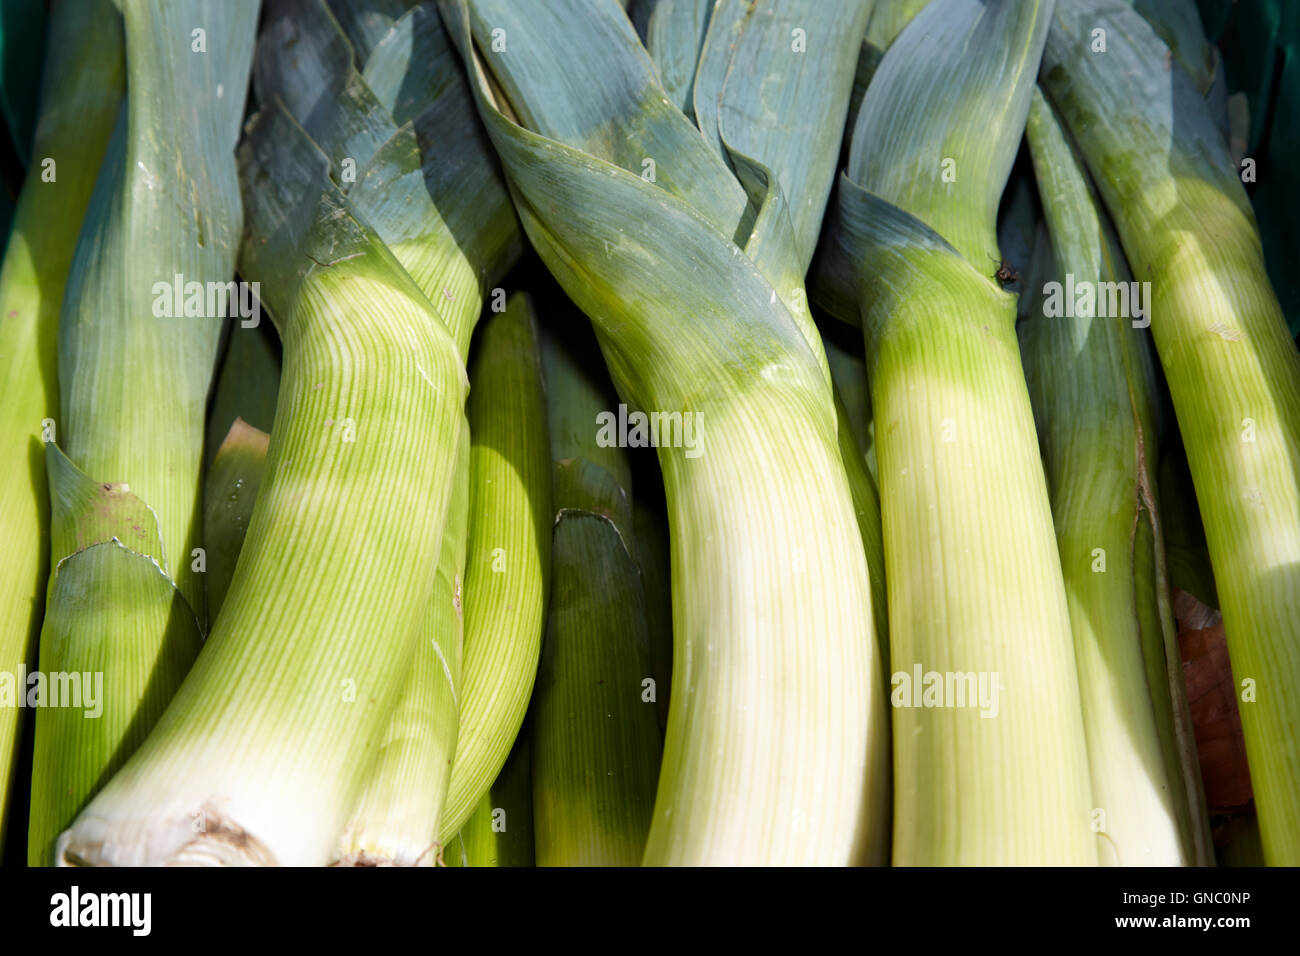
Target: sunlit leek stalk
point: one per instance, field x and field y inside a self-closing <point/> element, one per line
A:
<point x="398" y="125"/>
<point x="500" y="830"/>
<point x="976" y="595"/>
<point x="260" y="757"/>
<point x="82" y="91"/>
<point x="135" y="366"/>
<point x="509" y="555"/>
<point x="229" y="493"/>
<point x="1233" y="371"/>
<point x="1090" y="381"/>
<point x="594" y="728"/>
<point x="395" y="821"/>
<point x="776" y="735"/>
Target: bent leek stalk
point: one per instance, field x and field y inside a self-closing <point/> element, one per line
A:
<point x="1233" y="370"/>
<point x="80" y="98"/>
<point x="976" y="594"/>
<point x="261" y="754"/>
<point x="507" y="568"/>
<point x="395" y="111"/>
<point x="772" y="752"/>
<point x="1088" y="379"/>
<point x="135" y="367"/>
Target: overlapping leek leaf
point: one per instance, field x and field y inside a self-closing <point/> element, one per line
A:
<point x="595" y="745"/>
<point x="888" y="18"/>
<point x="135" y="367"/>
<point x="832" y="281"/>
<point x="81" y="96"/>
<point x="976" y="595"/>
<point x="1088" y="378"/>
<point x="262" y="754"/>
<point x="1233" y="371"/>
<point x="772" y="751"/>
<point x="402" y="138"/>
<point x="673" y="33"/>
<point x="508" y="562"/>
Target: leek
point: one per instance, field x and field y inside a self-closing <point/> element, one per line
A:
<point x="508" y="563"/>
<point x="1090" y="383"/>
<point x="775" y="745"/>
<point x="261" y="755"/>
<point x="976" y="594"/>
<point x="82" y="91"/>
<point x="395" y="111"/>
<point x="135" y="366"/>
<point x="595" y="737"/>
<point x="396" y="819"/>
<point x="1183" y="218"/>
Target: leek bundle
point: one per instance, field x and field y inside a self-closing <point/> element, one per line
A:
<point x="776" y="744"/>
<point x="256" y="760"/>
<point x="377" y="318"/>
<point x="643" y="559"/>
<point x="1090" y="378"/>
<point x="81" y="94"/>
<point x="135" y="366"/>
<point x="1183" y="218"/>
<point x="990" y="764"/>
